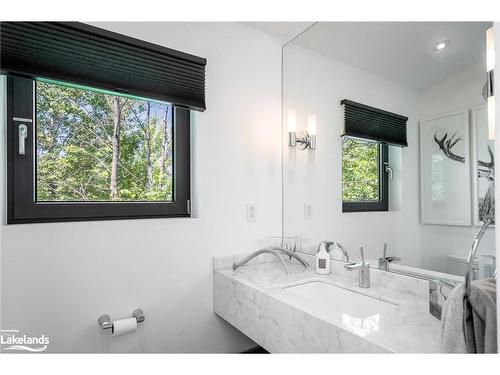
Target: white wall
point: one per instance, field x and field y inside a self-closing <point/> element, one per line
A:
<point x="462" y="91"/>
<point x="496" y="25"/>
<point x="316" y="84"/>
<point x="58" y="278"/>
<point x="3" y="167"/>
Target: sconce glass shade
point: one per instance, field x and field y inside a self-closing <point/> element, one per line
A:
<point x="490" y="50"/>
<point x="491" y="117"/>
<point x="292" y="139"/>
<point x="490" y="66"/>
<point x="312" y="142"/>
<point x="311" y="124"/>
<point x="292" y="121"/>
<point x="309" y="138"/>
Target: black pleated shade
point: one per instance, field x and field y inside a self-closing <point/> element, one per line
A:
<point x="81" y="54"/>
<point x="362" y="121"/>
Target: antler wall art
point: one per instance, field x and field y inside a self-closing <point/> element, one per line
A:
<point x="486" y="170"/>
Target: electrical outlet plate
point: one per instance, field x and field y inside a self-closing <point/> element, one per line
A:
<point x="307" y="211"/>
<point x="251" y="212"/>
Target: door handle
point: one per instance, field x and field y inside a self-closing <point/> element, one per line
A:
<point x="22" y="134"/>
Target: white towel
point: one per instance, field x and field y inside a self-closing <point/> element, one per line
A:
<point x="452" y="322"/>
<point x="481" y="317"/>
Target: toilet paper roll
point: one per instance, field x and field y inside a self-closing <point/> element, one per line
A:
<point x="124" y="326"/>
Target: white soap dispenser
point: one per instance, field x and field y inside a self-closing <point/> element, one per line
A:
<point x="322" y="261"/>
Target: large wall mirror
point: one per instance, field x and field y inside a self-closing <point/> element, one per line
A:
<point x="430" y="73"/>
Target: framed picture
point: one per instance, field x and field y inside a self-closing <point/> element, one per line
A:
<point x="483" y="150"/>
<point x="445" y="177"/>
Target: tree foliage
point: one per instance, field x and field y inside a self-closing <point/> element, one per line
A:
<point x="359" y="170"/>
<point x="74" y="139"/>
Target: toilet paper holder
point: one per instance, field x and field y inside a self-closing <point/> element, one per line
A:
<point x="105" y="322"/>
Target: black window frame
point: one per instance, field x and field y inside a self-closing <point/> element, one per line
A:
<point x="21" y="172"/>
<point x="383" y="203"/>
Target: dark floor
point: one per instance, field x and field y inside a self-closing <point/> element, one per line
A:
<point x="256" y="350"/>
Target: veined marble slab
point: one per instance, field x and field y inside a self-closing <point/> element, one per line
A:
<point x="256" y="301"/>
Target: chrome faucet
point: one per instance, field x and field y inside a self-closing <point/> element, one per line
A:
<point x="276" y="251"/>
<point x="364" y="270"/>
<point x="344" y="251"/>
<point x="383" y="263"/>
<point x="327" y="245"/>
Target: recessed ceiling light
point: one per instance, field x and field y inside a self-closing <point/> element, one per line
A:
<point x="442" y="45"/>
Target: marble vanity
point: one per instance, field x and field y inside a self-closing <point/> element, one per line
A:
<point x="304" y="312"/>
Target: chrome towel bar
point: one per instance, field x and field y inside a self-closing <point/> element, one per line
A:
<point x="470" y="259"/>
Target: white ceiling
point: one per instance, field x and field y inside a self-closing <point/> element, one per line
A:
<point x="281" y="30"/>
<point x="401" y="52"/>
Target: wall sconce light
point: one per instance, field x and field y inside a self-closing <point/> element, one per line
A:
<point x="490" y="92"/>
<point x="309" y="138"/>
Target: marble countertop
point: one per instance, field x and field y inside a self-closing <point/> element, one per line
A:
<point x="255" y="300"/>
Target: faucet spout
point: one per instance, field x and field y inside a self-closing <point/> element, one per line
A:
<point x="292" y="255"/>
<point x="257" y="253"/>
<point x="276" y="251"/>
<point x="344" y="251"/>
<point x="327" y="245"/>
<point x="363" y="268"/>
<point x="383" y="263"/>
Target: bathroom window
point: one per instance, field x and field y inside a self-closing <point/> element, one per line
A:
<point x="364" y="179"/>
<point x="76" y="153"/>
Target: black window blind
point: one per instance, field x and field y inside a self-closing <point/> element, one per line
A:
<point x="362" y="121"/>
<point x="85" y="55"/>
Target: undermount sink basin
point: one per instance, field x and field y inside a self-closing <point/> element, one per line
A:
<point x="350" y="303"/>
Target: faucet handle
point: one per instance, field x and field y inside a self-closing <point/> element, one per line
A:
<point x="392" y="259"/>
<point x="362" y="252"/>
<point x="357" y="265"/>
<point x="387" y="259"/>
